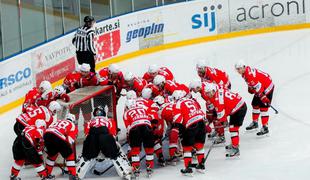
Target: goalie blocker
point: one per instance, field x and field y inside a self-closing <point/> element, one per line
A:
<point x="100" y="133"/>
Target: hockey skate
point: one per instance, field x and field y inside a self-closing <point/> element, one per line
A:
<point x="253" y="125"/>
<point x="161" y="161"/>
<point x="173" y="161"/>
<point x="149" y="172"/>
<point x="200" y="168"/>
<point x="228" y="147"/>
<point x="219" y="140"/>
<point x="264" y="130"/>
<point x="49" y="177"/>
<point x="212" y="135"/>
<point x="187" y="171"/>
<point x="234" y="151"/>
<point x="135" y="174"/>
<point x="13" y="177"/>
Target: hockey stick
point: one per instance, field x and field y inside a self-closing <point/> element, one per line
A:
<point x="206" y="156"/>
<point x="275" y="110"/>
<point x="104" y="171"/>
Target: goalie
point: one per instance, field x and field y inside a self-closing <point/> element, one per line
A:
<point x="100" y="137"/>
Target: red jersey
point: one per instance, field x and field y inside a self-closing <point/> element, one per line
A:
<point x="103" y="76"/>
<point x="31" y="99"/>
<point x="166" y="112"/>
<point x="46" y="98"/>
<point x="138" y="85"/>
<point x="258" y="80"/>
<point x="65" y="130"/>
<point x="71" y="81"/>
<point x="154" y="88"/>
<point x="226" y="103"/>
<point x="217" y="76"/>
<point x="32" y="134"/>
<point x="90" y="80"/>
<point x="101" y="121"/>
<point x="162" y="71"/>
<point x="171" y="86"/>
<point x="137" y="116"/>
<point x="187" y="112"/>
<point x="149" y="105"/>
<point x="30" y="118"/>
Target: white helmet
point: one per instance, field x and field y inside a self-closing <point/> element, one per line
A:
<point x="40" y="123"/>
<point x="159" y="100"/>
<point x="147" y="93"/>
<point x="130" y="103"/>
<point x="178" y="94"/>
<point x="54" y="107"/>
<point x="210" y="87"/>
<point x="153" y="68"/>
<point x="240" y="64"/>
<point x="131" y="94"/>
<point x="85" y="67"/>
<point x="113" y="68"/>
<point x="60" y="89"/>
<point x="159" y="79"/>
<point x="195" y="84"/>
<point x="70" y="117"/>
<point x="201" y="63"/>
<point x="128" y="76"/>
<point x="45" y="86"/>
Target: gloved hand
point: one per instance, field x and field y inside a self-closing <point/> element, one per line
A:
<point x="65" y="97"/>
<point x="251" y="90"/>
<point x="264" y="99"/>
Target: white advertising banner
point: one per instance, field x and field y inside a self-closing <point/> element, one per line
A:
<point x="54" y="60"/>
<point x="253" y="14"/>
<point x="16" y="78"/>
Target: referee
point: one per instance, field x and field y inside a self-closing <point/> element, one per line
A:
<point x="84" y="42"/>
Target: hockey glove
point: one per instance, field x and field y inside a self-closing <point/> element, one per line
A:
<point x="251" y="90"/>
<point x="65" y="97"/>
<point x="265" y="100"/>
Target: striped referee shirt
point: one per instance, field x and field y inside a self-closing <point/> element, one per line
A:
<point x="84" y="39"/>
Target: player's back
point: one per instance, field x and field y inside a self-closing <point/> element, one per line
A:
<point x="29" y="118"/>
<point x="136" y="116"/>
<point x="101" y="121"/>
<point x="63" y="129"/>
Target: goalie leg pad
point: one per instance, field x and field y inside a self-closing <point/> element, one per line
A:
<point x="122" y="165"/>
<point x="84" y="166"/>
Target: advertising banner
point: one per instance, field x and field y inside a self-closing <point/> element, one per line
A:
<point x="108" y="39"/>
<point x="54" y="60"/>
<point x="16" y="79"/>
<point x="253" y="14"/>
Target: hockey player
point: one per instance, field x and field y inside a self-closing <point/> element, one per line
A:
<point x="60" y="138"/>
<point x="101" y="133"/>
<point x="139" y="127"/>
<point x="212" y="74"/>
<point x="60" y="93"/>
<point x="115" y="77"/>
<point x="30" y="118"/>
<point x="71" y="81"/>
<point x="29" y="147"/>
<point x="155" y="70"/>
<point x="189" y="121"/>
<point x="165" y="113"/>
<point x="88" y="78"/>
<point x="134" y="83"/>
<point x="198" y="86"/>
<point x="226" y="104"/>
<point x="35" y="95"/>
<point x="260" y="84"/>
<point x="167" y="87"/>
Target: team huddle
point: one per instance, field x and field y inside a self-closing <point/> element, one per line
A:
<point x="156" y="108"/>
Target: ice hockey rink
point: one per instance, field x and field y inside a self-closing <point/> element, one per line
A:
<point x="284" y="155"/>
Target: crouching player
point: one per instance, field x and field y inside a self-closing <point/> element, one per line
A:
<point x="28" y="147"/>
<point x="189" y="120"/>
<point x="100" y="137"/>
<point x="60" y="138"/>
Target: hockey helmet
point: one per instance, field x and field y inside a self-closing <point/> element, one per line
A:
<point x="70" y="117"/>
<point x="99" y="111"/>
<point x="54" y="107"/>
<point x="45" y="86"/>
<point x="147" y="93"/>
<point x="159" y="79"/>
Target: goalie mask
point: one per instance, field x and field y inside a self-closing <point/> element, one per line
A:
<point x="99" y="111"/>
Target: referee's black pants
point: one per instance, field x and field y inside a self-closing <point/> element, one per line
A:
<point x="86" y="57"/>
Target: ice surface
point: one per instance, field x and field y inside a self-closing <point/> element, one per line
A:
<point x="285" y="155"/>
